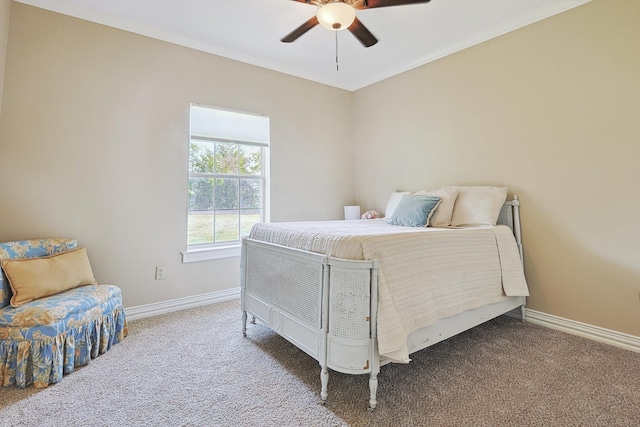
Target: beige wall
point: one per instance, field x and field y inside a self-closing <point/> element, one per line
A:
<point x="5" y="8"/>
<point x="551" y="110"/>
<point x="94" y="144"/>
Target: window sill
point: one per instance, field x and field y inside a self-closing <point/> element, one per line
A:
<point x="205" y="254"/>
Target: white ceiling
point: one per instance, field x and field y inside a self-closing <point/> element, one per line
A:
<point x="250" y="31"/>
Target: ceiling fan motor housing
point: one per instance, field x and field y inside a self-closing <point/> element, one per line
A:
<point x="336" y="16"/>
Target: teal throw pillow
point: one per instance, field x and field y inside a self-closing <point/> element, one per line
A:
<point x="414" y="211"/>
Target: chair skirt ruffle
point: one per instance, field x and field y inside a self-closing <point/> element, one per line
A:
<point x="47" y="338"/>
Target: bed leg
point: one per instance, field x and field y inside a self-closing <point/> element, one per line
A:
<point x="253" y="320"/>
<point x="324" y="380"/>
<point x="244" y="323"/>
<point x="373" y="391"/>
<point x="523" y="313"/>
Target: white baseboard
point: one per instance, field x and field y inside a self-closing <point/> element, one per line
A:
<point x="147" y="310"/>
<point x="596" y="333"/>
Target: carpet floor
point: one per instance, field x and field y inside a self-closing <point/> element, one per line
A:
<point x="194" y="368"/>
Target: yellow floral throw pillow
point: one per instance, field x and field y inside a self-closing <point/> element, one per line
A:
<point x="34" y="278"/>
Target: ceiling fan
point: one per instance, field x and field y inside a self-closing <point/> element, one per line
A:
<point x="338" y="15"/>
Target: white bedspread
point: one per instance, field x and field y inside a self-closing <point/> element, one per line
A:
<point x="425" y="273"/>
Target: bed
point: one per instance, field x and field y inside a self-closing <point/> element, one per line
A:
<point x="356" y="295"/>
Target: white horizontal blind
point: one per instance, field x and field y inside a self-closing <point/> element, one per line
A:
<point x="225" y="125"/>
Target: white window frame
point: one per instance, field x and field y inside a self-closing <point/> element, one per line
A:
<point x="203" y="252"/>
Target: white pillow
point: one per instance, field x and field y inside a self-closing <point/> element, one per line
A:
<point x="477" y="205"/>
<point x="393" y="201"/>
<point x="442" y="215"/>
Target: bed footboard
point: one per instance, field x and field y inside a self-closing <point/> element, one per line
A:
<point x="321" y="304"/>
<point x="283" y="288"/>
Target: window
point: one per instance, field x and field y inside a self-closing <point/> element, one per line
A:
<point x="228" y="189"/>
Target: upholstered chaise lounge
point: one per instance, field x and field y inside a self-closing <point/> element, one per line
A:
<point x="45" y="337"/>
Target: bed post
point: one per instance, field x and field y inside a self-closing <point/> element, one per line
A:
<point x="518" y="234"/>
<point x="324" y="370"/>
<point x="243" y="275"/>
<point x="375" y="356"/>
<point x="516" y="225"/>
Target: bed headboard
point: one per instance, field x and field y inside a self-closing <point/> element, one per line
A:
<point x="510" y="216"/>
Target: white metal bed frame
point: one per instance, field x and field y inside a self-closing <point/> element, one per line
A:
<point x="327" y="306"/>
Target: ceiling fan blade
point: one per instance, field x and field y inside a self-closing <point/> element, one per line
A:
<point x="368" y="4"/>
<point x="313" y="2"/>
<point x="362" y="33"/>
<point x="293" y="35"/>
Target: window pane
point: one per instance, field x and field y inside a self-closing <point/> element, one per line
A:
<point x="250" y="160"/>
<point x="250" y="193"/>
<point x="226" y="193"/>
<point x="248" y="217"/>
<point x="227" y="226"/>
<point x="201" y="156"/>
<point x="200" y="194"/>
<point x="226" y="158"/>
<point x="199" y="228"/>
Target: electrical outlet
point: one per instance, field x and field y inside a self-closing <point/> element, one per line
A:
<point x="160" y="272"/>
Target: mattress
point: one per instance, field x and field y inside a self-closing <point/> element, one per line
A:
<point x="425" y="274"/>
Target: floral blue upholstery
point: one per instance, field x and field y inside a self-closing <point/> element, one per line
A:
<point x="45" y="339"/>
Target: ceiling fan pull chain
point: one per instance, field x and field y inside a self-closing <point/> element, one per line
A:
<point x="337" y="65"/>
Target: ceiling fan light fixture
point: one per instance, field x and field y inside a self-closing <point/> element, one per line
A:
<point x="336" y="16"/>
